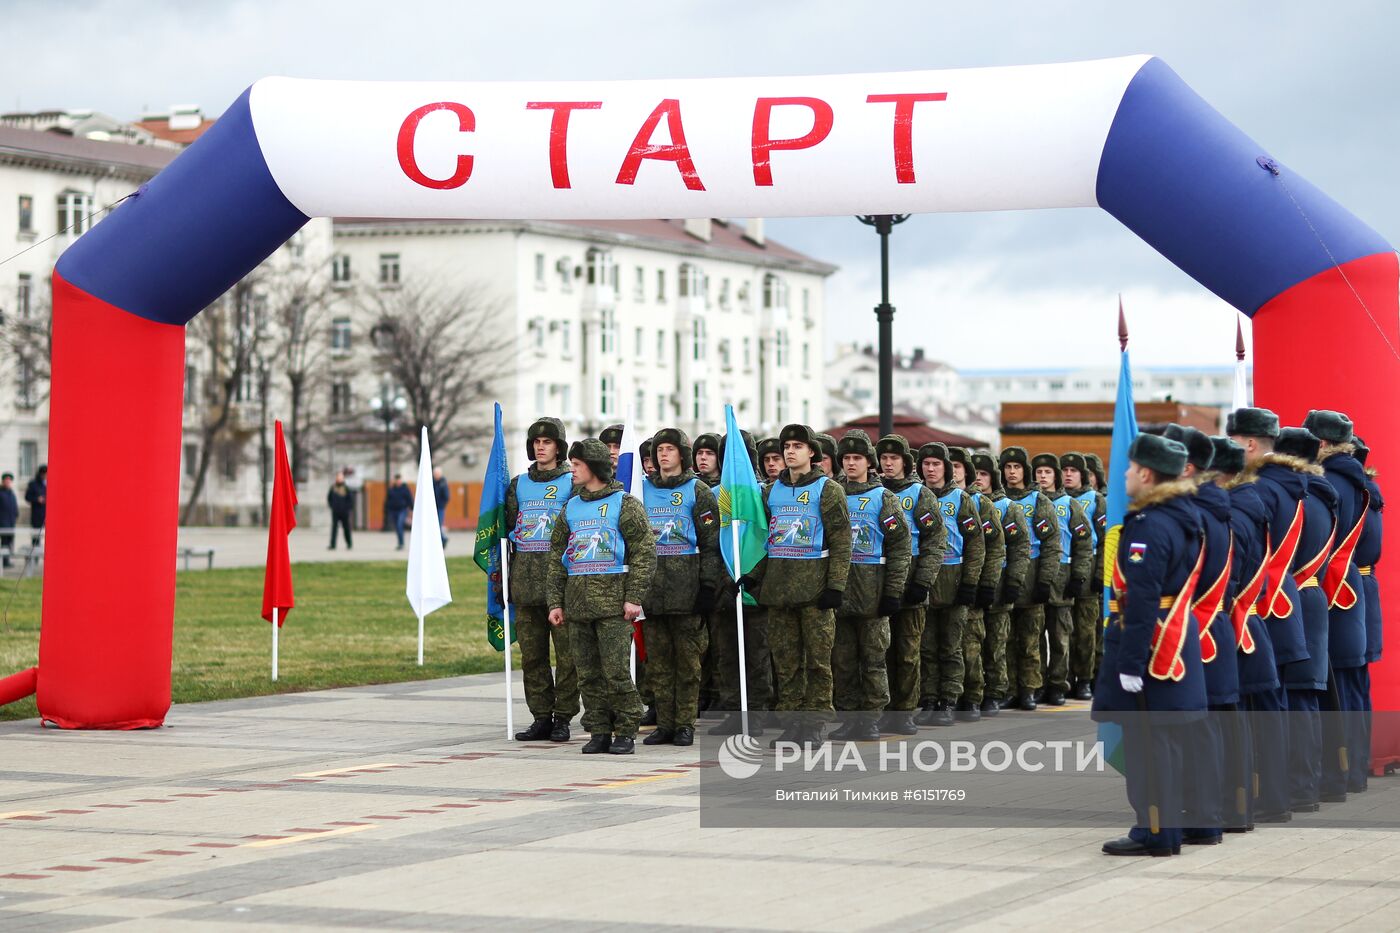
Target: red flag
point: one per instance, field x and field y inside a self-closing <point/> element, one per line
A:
<point x="277" y="580"/>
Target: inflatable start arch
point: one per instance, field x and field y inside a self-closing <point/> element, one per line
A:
<point x="1125" y="134"/>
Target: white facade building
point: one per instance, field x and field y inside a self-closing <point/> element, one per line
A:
<point x="924" y="387"/>
<point x="671" y="318"/>
<point x="1205" y="385"/>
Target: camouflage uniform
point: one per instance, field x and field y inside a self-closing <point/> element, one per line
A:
<point x="1028" y="616"/>
<point x="1072" y="580"/>
<point x="550" y="695"/>
<point x="994" y="557"/>
<point x="1087" y="611"/>
<point x="1017" y="548"/>
<point x="1100" y="580"/>
<point x="709" y="679"/>
<point x="829" y="462"/>
<point x="758" y="662"/>
<point x="600" y="637"/>
<point x="682" y="587"/>
<point x="954" y="591"/>
<point x="874" y="591"/>
<point x="800" y="631"/>
<point x="767" y="447"/>
<point x="920" y="510"/>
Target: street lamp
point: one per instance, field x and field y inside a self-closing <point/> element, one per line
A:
<point x="884" y="313"/>
<point x="388" y="406"/>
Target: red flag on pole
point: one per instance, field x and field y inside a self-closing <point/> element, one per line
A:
<point x="277" y="580"/>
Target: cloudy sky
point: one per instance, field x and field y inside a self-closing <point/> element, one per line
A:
<point x="1314" y="83"/>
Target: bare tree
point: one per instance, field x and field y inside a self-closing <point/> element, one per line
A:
<point x="446" y="350"/>
<point x="299" y="302"/>
<point x="28" y="335"/>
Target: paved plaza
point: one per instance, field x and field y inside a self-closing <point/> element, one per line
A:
<point x="402" y="807"/>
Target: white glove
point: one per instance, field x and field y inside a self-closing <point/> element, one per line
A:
<point x="1131" y="682"/>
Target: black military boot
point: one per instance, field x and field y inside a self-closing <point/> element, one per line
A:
<point x="967" y="711"/>
<point x="685" y="735"/>
<point x="1026" y="703"/>
<point x="560" y="732"/>
<point x="1010" y="701"/>
<point x="791" y="734"/>
<point x="843" y="732"/>
<point x="1054" y="696"/>
<point x="942" y="713"/>
<point x="660" y="736"/>
<point x="730" y="725"/>
<point x="904" y="724"/>
<point x="866" y="730"/>
<point x="927" y="713"/>
<point x="813" y="736"/>
<point x="539" y="729"/>
<point x="1082" y="691"/>
<point x="621" y="745"/>
<point x="991" y="706"/>
<point x="597" y="744"/>
<point x="649" y="717"/>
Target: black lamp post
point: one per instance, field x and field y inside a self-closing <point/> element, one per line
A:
<point x="388" y="406"/>
<point x="884" y="313"/>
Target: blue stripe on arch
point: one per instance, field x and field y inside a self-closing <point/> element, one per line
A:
<point x="198" y="227"/>
<point x="1186" y="180"/>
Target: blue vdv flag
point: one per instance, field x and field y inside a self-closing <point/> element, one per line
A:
<point x="741" y="512"/>
<point x="490" y="531"/>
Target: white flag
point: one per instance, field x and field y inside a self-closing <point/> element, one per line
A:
<point x="427" y="568"/>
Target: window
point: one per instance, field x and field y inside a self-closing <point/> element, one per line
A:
<point x="388" y="268"/>
<point x="540" y="391"/>
<point x="340" y="334"/>
<point x="774" y="292"/>
<point x="191" y="459"/>
<point x="639" y="404"/>
<point x="724" y="356"/>
<point x="340" y="398"/>
<point x="724" y="294"/>
<point x="605" y="395"/>
<point x="661" y="347"/>
<point x="600" y="268"/>
<point x="539" y="271"/>
<point x="780" y="348"/>
<point x="566" y="273"/>
<point x="782" y="404"/>
<point x="191" y="384"/>
<point x="607" y="332"/>
<point x="661" y="409"/>
<point x="806" y="411"/>
<point x="1081" y="383"/>
<point x="691" y="282"/>
<point x="566" y="338"/>
<point x="228" y="462"/>
<point x="697" y="339"/>
<point x="1056" y="385"/>
<point x="1003" y="385"/>
<point x="748" y="353"/>
<point x="566" y="395"/>
<point x="24" y="383"/>
<point x="247" y="390"/>
<point x="639" y="291"/>
<point x="23" y="291"/>
<point x="806" y="304"/>
<point x="699" y="405"/>
<point x="537" y="334"/>
<point x="807" y="358"/>
<point x="73" y="210"/>
<point x="660" y="284"/>
<point x="340" y="269"/>
<point x="26" y="213"/>
<point x="638" y="350"/>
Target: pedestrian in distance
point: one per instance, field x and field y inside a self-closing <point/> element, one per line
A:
<point x="341" y="500"/>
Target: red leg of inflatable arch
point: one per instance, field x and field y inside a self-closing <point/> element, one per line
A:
<point x="1316" y="346"/>
<point x="114" y="495"/>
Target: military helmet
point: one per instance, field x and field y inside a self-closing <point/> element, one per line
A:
<point x="612" y="434"/>
<point x="827" y="443"/>
<point x="594" y="452"/>
<point x="1046" y="460"/>
<point x="983" y="461"/>
<point x="551" y="428"/>
<point x="803" y="435"/>
<point x="897" y="444"/>
<point x="670" y="436"/>
<point x="855" y="441"/>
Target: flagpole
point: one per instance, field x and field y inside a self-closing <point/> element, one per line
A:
<point x="505" y="634"/>
<point x="275" y="629"/>
<point x="739" y="621"/>
<point x="420" y="639"/>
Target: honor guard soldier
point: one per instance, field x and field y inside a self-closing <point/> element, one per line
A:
<point x="707" y="468"/>
<point x="533" y="501"/>
<point x="602" y="555"/>
<point x="707" y="458"/>
<point x="880" y="558"/>
<point x="1368" y="554"/>
<point x="954" y="591"/>
<point x="829" y="463"/>
<point x="969" y="706"/>
<point x="1087" y="609"/>
<point x="1344" y="701"/>
<point x="1306" y="681"/>
<point x="928" y="539"/>
<point x="1016" y="543"/>
<point x="1206" y="748"/>
<point x="685" y="520"/>
<point x="1151" y="681"/>
<point x="758" y="661"/>
<point x="801" y="581"/>
<point x="770" y="459"/>
<point x="612" y="436"/>
<point x="648" y="464"/>
<point x="1076" y="565"/>
<point x="1281" y="482"/>
<point x="1028" y="618"/>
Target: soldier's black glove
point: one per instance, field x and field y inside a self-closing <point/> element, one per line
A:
<point x="749" y="584"/>
<point x="1075" y="587"/>
<point x="1041" y="593"/>
<point x="705" y="600"/>
<point x="830" y="599"/>
<point x="915" y="594"/>
<point x="967" y="594"/>
<point x="889" y="604"/>
<point x="1010" y="594"/>
<point x="986" y="595"/>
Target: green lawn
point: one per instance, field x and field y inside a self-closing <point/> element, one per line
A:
<point x="352" y="625"/>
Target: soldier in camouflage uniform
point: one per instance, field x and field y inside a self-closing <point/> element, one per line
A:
<point x="969" y="707"/>
<point x="1077" y="539"/>
<point x="612" y="436"/>
<point x="602" y="556"/>
<point x="928" y="538"/>
<point x="801" y="581"/>
<point x="954" y="591"/>
<point x="1016" y="539"/>
<point x="707" y="462"/>
<point x="1028" y="616"/>
<point x="707" y="468"/>
<point x="533" y="502"/>
<point x="1087" y="611"/>
<point x="770" y="459"/>
<point x="880" y="558"/>
<point x="828" y="464"/>
<point x="644" y="451"/>
<point x="685" y="519"/>
<point x="758" y="662"/>
<point x="1099" y="484"/>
